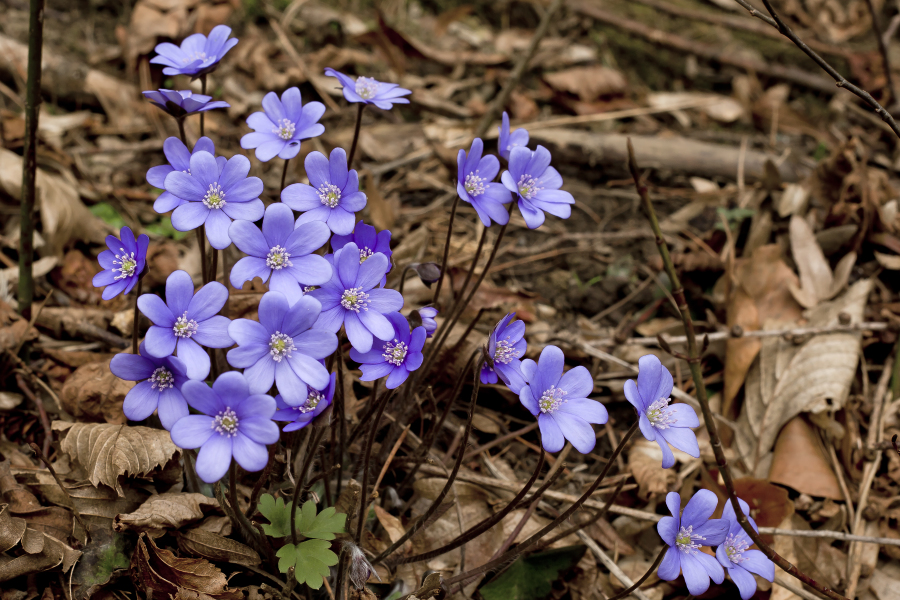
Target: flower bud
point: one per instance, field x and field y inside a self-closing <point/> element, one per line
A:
<point x="360" y="567"/>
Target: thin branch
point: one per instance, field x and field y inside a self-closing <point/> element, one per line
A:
<point x="883" y="49"/>
<point x="830" y="535"/>
<point x="611" y="565"/>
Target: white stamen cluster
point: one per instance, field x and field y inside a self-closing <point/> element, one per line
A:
<point x="660" y="415"/>
<point x="278" y="258"/>
<point x="528" y="186"/>
<point x="125" y="264"/>
<point x="366" y="87"/>
<point x="686" y="540"/>
<point x="395" y="352"/>
<point x="161" y="379"/>
<point x="551" y="399"/>
<point x="474" y="184"/>
<point x="285" y="129"/>
<point x="280" y="346"/>
<point x="364" y="253"/>
<point x="226" y="423"/>
<point x="505" y="352"/>
<point x="184" y="327"/>
<point x="308" y="288"/>
<point x="312" y="401"/>
<point x="214" y="198"/>
<point x="735" y="546"/>
<point x="355" y="299"/>
<point x="195" y="56"/>
<point x="330" y="195"/>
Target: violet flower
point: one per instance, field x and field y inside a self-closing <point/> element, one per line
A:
<point x="282" y="349"/>
<point x="685" y="533"/>
<point x="369" y="242"/>
<point x="735" y="556"/>
<point x="350" y="300"/>
<point x="159" y="388"/>
<point x="506" y="347"/>
<point x="197" y="55"/>
<point x="299" y="417"/>
<point x="660" y="422"/>
<point x="560" y="401"/>
<point x="427" y="314"/>
<point x="234" y="423"/>
<point x="186" y="321"/>
<point x="280" y="254"/>
<point x="179" y="160"/>
<point x="122" y="264"/>
<point x="474" y="177"/>
<point x="395" y="356"/>
<point x="214" y="198"/>
<point x="370" y="91"/>
<point x="181" y="103"/>
<point x="278" y="130"/>
<point x="333" y="195"/>
<point x="507" y="141"/>
<point x="537" y="185"/>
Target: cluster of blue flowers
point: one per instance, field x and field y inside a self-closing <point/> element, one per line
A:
<point x="311" y="297"/>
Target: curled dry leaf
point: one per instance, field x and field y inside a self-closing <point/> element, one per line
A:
<point x="644" y="460"/>
<point x="165" y="511"/>
<point x="891" y="262"/>
<point x="94" y="393"/>
<point x="717" y="107"/>
<point x="588" y="83"/>
<point x="213" y="546"/>
<point x="40" y="552"/>
<point x="799" y="462"/>
<point x="107" y="452"/>
<point x="817" y="282"/>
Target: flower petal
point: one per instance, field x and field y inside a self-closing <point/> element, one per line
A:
<point x="208" y="301"/>
<point x="695" y="576"/>
<point x="670" y="567"/>
<point x="214" y="458"/>
<point x="550" y="368"/>
<point x="194" y="357"/>
<point x="552" y="438"/>
<point x="699" y="509"/>
<point x="577" y="383"/>
<point x="588" y="410"/>
<point x="132" y="367"/>
<point x="290" y="386"/>
<point x="756" y="562"/>
<point x="667" y="529"/>
<point x="172" y="407"/>
<point x="682" y="438"/>
<point x="160" y="341"/>
<point x="251" y="455"/>
<point x="248" y="238"/>
<point x="141" y="401"/>
<point x="744" y="581"/>
<point x="156" y="310"/>
<point x="192" y="431"/>
<point x="213" y="333"/>
<point x="578" y="431"/>
<point x="261" y="375"/>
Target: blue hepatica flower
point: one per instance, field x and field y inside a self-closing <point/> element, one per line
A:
<point x="506" y="347"/>
<point x="427" y="314"/>
<point x="215" y="198"/>
<point x="280" y="254"/>
<point x="560" y="401"/>
<point x="159" y="388"/>
<point x="370" y="91"/>
<point x="197" y="55"/>
<point x="507" y="141"/>
<point x="537" y="185"/>
<point x="369" y="242"/>
<point x="350" y="300"/>
<point x="685" y="533"/>
<point x="235" y="423"/>
<point x="394" y="356"/>
<point x="333" y="196"/>
<point x="278" y="130"/>
<point x="299" y="417"/>
<point x="181" y="103"/>
<point x="475" y="175"/>
<point x="186" y="321"/>
<point x="179" y="160"/>
<point x="660" y="422"/>
<point x="735" y="556"/>
<point x="122" y="264"/>
<point x="282" y="349"/>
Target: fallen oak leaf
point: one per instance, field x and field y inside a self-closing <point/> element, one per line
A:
<point x="165" y="511"/>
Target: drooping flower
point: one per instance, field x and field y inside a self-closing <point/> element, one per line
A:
<point x="122" y="264"/>
<point x="349" y="299"/>
<point x="282" y="349"/>
<point x="370" y="91"/>
<point x="278" y="130"/>
<point x="360" y="569"/>
<point x="181" y="103"/>
<point x="537" y="184"/>
<point x="215" y="198"/>
<point x="197" y="55"/>
<point x="506" y="347"/>
<point x="685" y="533"/>
<point x="660" y="422"/>
<point x="734" y="553"/>
<point x="279" y="253"/>
<point x="159" y="388"/>
<point x="369" y="242"/>
<point x="234" y="423"/>
<point x="300" y="416"/>
<point x="507" y="141"/>
<point x="186" y="321"/>
<point x="427" y="314"/>
<point x="560" y="401"/>
<point x="179" y="160"/>
<point x="395" y="356"/>
<point x="474" y="184"/>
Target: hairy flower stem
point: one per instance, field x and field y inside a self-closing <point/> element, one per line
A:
<point x="180" y="121"/>
<point x="700" y="386"/>
<point x="471" y="270"/>
<point x="202" y="114"/>
<point x="284" y="172"/>
<point x="367" y="454"/>
<point x="403" y="278"/>
<point x="440" y="281"/>
<point x="237" y="515"/>
<point x="201" y="242"/>
<point x="627" y="592"/>
<point x="260" y="482"/>
<point x="213" y="271"/>
<point x="359" y="111"/>
<point x="137" y="317"/>
<point x="300" y="477"/>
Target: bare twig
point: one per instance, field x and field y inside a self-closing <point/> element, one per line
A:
<point x="75" y="513"/>
<point x="612" y="566"/>
<point x="883" y="49"/>
<point x="830" y="535"/>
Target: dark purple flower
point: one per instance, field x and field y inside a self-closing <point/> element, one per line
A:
<point x="181" y="103"/>
<point x="186" y="321"/>
<point x="474" y="177"/>
<point x="427" y="314"/>
<point x="506" y="347"/>
<point x="179" y="160"/>
<point x="369" y="242"/>
<point x="197" y="55"/>
<point x="507" y="141"/>
<point x="560" y="401"/>
<point x="278" y="130"/>
<point x="234" y="423"/>
<point x="301" y="416"/>
<point x="282" y="349"/>
<point x="395" y="356"/>
<point x="350" y="300"/>
<point x="159" y="388"/>
<point x="660" y="422"/>
<point x="333" y="195"/>
<point x="370" y="91"/>
<point x="735" y="556"/>
<point x="279" y="253"/>
<point x="537" y="185"/>
<point x="122" y="264"/>
<point x="215" y="198"/>
<point x="685" y="533"/>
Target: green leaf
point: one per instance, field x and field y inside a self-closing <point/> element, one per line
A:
<point x="310" y="560"/>
<point x="321" y="526"/>
<point x="277" y="513"/>
<point x="109" y="214"/>
<point x="164" y="227"/>
<point x="532" y="578"/>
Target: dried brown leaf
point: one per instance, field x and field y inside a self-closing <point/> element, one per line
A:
<point x="817" y="282"/>
<point x="644" y="460"/>
<point x="213" y="546"/>
<point x="165" y="511"/>
<point x="588" y="83"/>
<point x="94" y="393"/>
<point x="799" y="462"/>
<point x="770" y="505"/>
